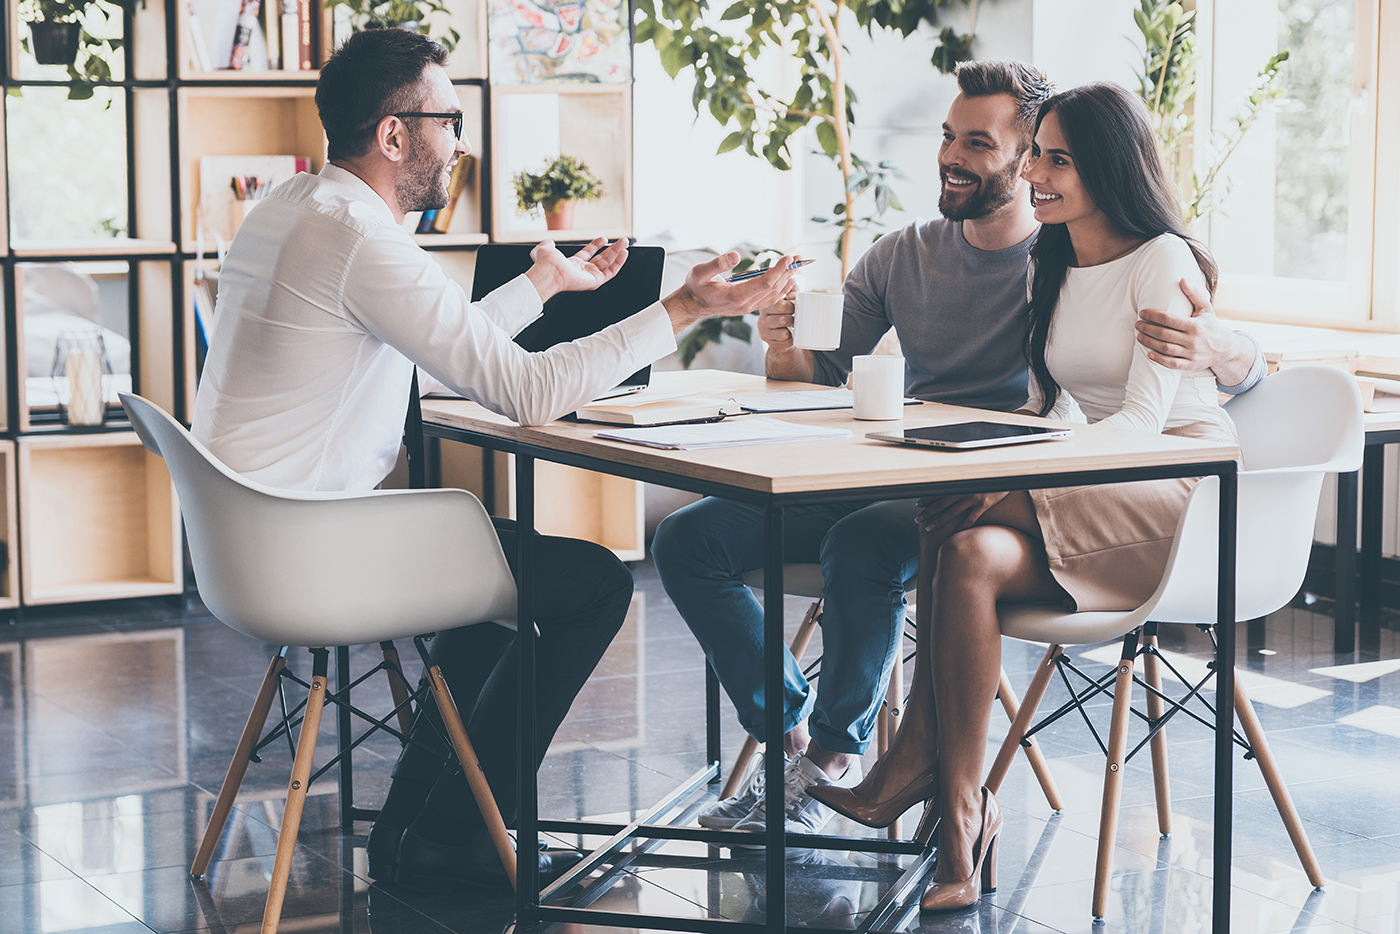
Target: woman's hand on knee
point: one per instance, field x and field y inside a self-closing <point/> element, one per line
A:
<point x="944" y="516"/>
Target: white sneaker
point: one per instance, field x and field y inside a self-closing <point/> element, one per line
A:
<point x="725" y="813"/>
<point x="801" y="812"/>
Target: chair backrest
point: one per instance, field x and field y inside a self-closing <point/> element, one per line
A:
<point x="1294" y="427"/>
<point x="317" y="569"/>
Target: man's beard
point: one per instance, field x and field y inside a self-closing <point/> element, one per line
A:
<point x="420" y="187"/>
<point x="994" y="193"/>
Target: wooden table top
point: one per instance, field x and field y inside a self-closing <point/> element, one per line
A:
<point x="837" y="464"/>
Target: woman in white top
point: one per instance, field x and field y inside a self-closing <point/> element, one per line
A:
<point x="1112" y="242"/>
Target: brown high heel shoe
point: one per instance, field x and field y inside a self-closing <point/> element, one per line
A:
<point x="881" y="813"/>
<point x="951" y="896"/>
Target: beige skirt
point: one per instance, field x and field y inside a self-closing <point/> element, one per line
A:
<point x="1108" y="544"/>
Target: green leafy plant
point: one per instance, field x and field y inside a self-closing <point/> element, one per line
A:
<point x="95" y="53"/>
<point x="1167" y="85"/>
<point x="722" y="53"/>
<point x="388" y="14"/>
<point x="563" y="178"/>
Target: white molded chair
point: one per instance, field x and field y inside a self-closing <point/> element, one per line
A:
<point x="330" y="569"/>
<point x="1294" y="427"/>
<point x="807" y="580"/>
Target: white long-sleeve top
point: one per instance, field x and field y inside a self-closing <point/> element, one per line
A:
<point x="1104" y="374"/>
<point x="326" y="303"/>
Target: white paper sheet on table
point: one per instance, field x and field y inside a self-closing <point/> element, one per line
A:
<point x="728" y="433"/>
<point x="801" y="400"/>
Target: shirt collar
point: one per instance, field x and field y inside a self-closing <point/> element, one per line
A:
<point x="334" y="173"/>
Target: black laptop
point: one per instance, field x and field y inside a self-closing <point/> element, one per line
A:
<point x="571" y="315"/>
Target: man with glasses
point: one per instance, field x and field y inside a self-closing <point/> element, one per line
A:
<point x="325" y="306"/>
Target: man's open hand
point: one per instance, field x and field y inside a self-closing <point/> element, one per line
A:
<point x="706" y="292"/>
<point x="594" y="264"/>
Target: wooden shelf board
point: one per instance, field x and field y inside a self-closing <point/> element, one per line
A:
<point x="449" y="240"/>
<point x="119" y="246"/>
<point x="102" y="590"/>
<point x="229" y="76"/>
<point x="562" y="236"/>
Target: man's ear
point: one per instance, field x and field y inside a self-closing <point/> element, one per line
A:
<point x="391" y="139"/>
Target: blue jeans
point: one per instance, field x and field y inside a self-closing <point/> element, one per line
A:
<point x="866" y="550"/>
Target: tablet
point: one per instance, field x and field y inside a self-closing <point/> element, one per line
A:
<point x="965" y="435"/>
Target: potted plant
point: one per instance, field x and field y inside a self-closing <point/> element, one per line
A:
<point x="563" y="182"/>
<point x="58" y="36"/>
<point x="404" y="14"/>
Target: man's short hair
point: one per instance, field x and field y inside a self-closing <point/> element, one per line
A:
<point x="1025" y="84"/>
<point x="374" y="73"/>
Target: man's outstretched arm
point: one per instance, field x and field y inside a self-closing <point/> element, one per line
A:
<point x="1201" y="342"/>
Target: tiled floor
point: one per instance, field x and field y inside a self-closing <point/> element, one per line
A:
<point x="117" y="729"/>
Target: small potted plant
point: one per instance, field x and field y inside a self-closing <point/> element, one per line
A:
<point x="58" y="36"/>
<point x="412" y="15"/>
<point x="562" y="183"/>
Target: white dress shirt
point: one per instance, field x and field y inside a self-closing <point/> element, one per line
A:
<point x="326" y="303"/>
<point x="1105" y="375"/>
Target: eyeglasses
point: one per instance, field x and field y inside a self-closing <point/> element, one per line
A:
<point x="456" y="119"/>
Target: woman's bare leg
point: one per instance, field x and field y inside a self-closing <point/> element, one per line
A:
<point x="977" y="567"/>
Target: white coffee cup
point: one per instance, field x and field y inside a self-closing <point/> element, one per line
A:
<point x="817" y="321"/>
<point x="878" y="383"/>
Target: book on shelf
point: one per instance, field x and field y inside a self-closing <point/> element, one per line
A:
<point x="199" y="51"/>
<point x="305" y="11"/>
<point x="243" y="33"/>
<point x="272" y="29"/>
<point x="455" y="183"/>
<point x="291" y="33"/>
<point x="658" y="411"/>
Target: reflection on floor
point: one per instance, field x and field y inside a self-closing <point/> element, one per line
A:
<point x="117" y="729"/>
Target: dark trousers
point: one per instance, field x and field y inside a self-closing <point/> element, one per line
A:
<point x="581" y="596"/>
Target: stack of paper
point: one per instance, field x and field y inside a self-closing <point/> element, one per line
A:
<point x="728" y="433"/>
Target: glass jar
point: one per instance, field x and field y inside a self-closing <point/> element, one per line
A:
<point x="80" y="372"/>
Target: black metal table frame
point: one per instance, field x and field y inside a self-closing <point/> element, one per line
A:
<point x="1372" y="491"/>
<point x="534" y="908"/>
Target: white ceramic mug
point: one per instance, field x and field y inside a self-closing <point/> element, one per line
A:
<point x="817" y="321"/>
<point x="878" y="383"/>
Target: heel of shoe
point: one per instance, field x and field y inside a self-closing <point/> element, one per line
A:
<point x="989" y="866"/>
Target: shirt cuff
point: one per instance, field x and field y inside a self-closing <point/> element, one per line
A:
<point x="1257" y="371"/>
<point x="649" y="333"/>
<point x="514" y="305"/>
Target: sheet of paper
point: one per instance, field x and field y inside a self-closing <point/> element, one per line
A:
<point x="728" y="433"/>
<point x="802" y="400"/>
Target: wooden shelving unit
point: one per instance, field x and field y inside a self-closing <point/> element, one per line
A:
<point x="99" y="520"/>
<point x="90" y="514"/>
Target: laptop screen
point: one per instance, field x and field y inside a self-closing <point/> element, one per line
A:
<point x="571" y="315"/>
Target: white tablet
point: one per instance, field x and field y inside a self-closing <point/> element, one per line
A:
<point x="964" y="435"/>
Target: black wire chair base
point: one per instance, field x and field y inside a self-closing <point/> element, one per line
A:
<point x="1135" y="646"/>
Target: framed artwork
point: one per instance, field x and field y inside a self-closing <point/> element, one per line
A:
<point x="544" y="41"/>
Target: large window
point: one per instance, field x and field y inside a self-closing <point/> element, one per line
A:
<point x="1300" y="234"/>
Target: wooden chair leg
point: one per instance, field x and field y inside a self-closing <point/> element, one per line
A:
<point x="1254" y="734"/>
<point x="1021" y="714"/>
<point x="233" y="778"/>
<point x="1113" y="781"/>
<point x="798" y="648"/>
<point x="471" y="768"/>
<point x="397" y="689"/>
<point x="1152" y="667"/>
<point x="296" y="792"/>
<point x="890" y="719"/>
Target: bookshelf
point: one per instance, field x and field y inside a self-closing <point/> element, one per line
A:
<point x="87" y="513"/>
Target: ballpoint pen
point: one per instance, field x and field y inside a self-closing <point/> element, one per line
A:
<point x="758" y="272"/>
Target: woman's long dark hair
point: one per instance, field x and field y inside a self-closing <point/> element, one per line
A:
<point x="1120" y="166"/>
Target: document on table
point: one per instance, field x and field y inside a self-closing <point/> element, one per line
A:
<point x="801" y="400"/>
<point x="728" y="433"/>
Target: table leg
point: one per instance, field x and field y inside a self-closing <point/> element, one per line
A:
<point x="343" y="739"/>
<point x="1224" y="710"/>
<point x="1344" y="639"/>
<point x="1372" y="517"/>
<point x="712" y="751"/>
<point x="773" y="695"/>
<point x="527" y="834"/>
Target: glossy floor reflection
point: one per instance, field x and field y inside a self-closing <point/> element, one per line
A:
<point x="117" y="727"/>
